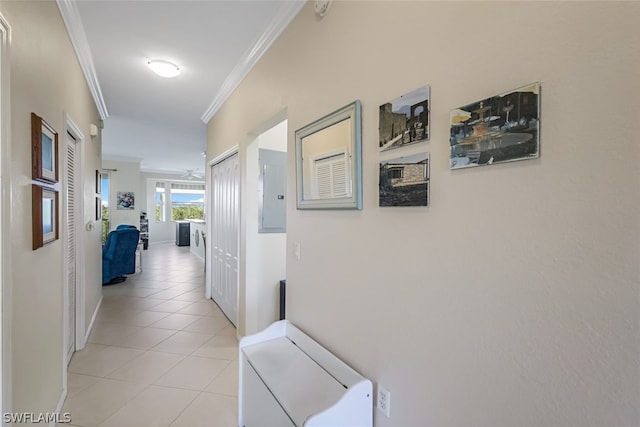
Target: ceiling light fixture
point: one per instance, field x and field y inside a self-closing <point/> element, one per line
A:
<point x="163" y="68"/>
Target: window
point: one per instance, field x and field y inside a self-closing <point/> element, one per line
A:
<point x="395" y="173"/>
<point x="187" y="201"/>
<point x="161" y="202"/>
<point x="104" y="205"/>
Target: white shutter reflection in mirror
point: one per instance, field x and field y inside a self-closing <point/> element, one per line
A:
<point x="331" y="177"/>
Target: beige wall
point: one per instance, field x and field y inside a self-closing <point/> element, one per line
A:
<point x="513" y="299"/>
<point x="46" y="79"/>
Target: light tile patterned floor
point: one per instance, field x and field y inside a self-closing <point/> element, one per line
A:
<point x="159" y="354"/>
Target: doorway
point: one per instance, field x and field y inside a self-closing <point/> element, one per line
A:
<point x="265" y="218"/>
<point x="224" y="218"/>
<point x="73" y="189"/>
<point x="5" y="230"/>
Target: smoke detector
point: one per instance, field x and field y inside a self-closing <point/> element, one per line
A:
<point x="322" y="6"/>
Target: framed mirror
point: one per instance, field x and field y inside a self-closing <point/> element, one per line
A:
<point x="329" y="161"/>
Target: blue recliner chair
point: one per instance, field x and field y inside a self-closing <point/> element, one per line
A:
<point x="119" y="254"/>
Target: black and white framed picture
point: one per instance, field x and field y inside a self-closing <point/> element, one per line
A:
<point x="405" y="120"/>
<point x="404" y="181"/>
<point x="502" y="128"/>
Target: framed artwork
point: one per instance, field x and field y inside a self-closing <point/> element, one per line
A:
<point x="98" y="208"/>
<point x="45" y="208"/>
<point x="405" y="120"/>
<point x="126" y="200"/>
<point x="502" y="128"/>
<point x="44" y="151"/>
<point x="98" y="182"/>
<point x="404" y="181"/>
<point x="329" y="161"/>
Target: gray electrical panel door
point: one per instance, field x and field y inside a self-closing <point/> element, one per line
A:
<point x="272" y="211"/>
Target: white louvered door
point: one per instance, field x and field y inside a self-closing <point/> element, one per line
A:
<point x="331" y="177"/>
<point x="70" y="255"/>
<point x="225" y="217"/>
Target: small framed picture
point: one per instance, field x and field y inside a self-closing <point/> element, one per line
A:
<point x="44" y="216"/>
<point x="126" y="200"/>
<point x="404" y="181"/>
<point x="98" y="208"/>
<point x="44" y="150"/>
<point x="405" y="120"/>
<point x="502" y="128"/>
<point x="98" y="182"/>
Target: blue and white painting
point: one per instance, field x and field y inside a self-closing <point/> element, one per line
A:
<point x="126" y="200"/>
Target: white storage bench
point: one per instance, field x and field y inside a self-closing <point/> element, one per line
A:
<point x="289" y="380"/>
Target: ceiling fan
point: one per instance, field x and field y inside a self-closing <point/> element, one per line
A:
<point x="191" y="175"/>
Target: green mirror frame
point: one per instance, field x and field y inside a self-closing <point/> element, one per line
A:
<point x="329" y="161"/>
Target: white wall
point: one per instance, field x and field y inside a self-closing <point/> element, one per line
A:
<point x="46" y="79"/>
<point x="265" y="258"/>
<point x="512" y="299"/>
<point x="161" y="231"/>
<point x="125" y="178"/>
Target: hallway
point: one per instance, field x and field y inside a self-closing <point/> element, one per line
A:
<point x="159" y="354"/>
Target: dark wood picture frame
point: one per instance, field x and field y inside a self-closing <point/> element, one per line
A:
<point x="45" y="215"/>
<point x="44" y="151"/>
<point x="98" y="182"/>
<point x="98" y="208"/>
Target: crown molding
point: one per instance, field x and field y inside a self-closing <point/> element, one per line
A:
<point x="75" y="29"/>
<point x="285" y="15"/>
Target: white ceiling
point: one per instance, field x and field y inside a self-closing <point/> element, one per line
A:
<point x="159" y="121"/>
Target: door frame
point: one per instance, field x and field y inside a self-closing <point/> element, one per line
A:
<point x="235" y="150"/>
<point x="5" y="221"/>
<point x="71" y="128"/>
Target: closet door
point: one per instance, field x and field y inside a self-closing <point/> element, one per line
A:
<point x="70" y="258"/>
<point x="225" y="218"/>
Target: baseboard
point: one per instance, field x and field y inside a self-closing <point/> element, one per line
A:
<point x="162" y="242"/>
<point x="63" y="397"/>
<point x="63" y="394"/>
<point x="93" y="319"/>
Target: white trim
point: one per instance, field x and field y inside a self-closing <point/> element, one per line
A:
<point x="71" y="128"/>
<point x="5" y="222"/>
<point x="63" y="397"/>
<point x="160" y="243"/>
<point x="93" y="318"/>
<point x="283" y="18"/>
<point x="221" y="157"/>
<point x="73" y="22"/>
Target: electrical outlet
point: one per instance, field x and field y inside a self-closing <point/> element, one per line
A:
<point x="383" y="400"/>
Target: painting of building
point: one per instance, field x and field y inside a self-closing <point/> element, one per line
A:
<point x="405" y="181"/>
<point x="405" y="120"/>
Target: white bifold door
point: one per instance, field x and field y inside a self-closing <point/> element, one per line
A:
<point x="225" y="218"/>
